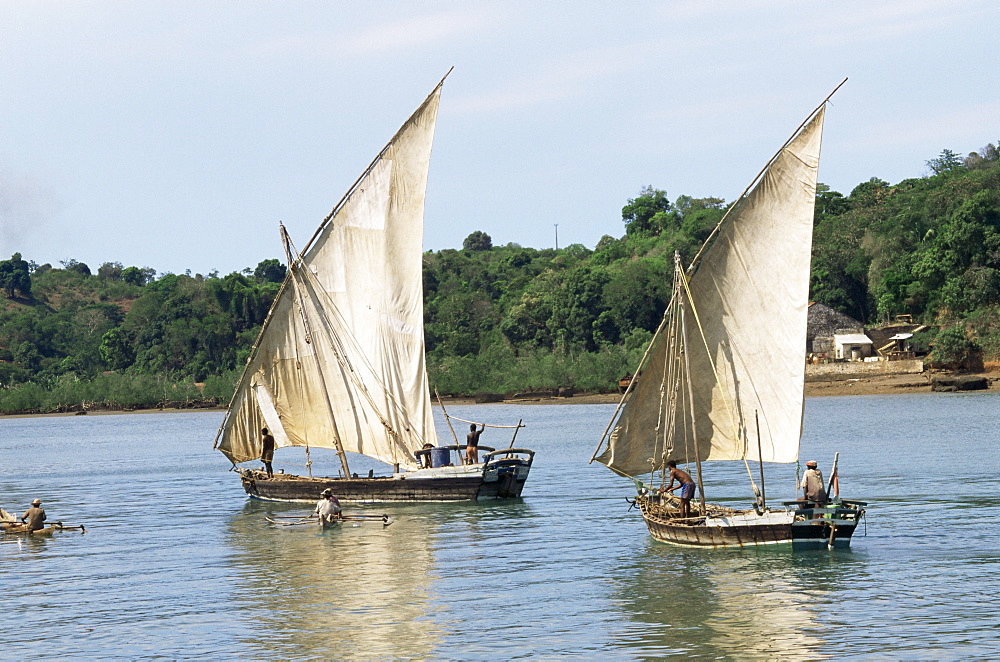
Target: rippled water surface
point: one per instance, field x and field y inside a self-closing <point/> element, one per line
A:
<point x="178" y="563"/>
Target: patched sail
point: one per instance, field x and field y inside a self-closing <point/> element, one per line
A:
<point x="730" y="357"/>
<point x="340" y="361"/>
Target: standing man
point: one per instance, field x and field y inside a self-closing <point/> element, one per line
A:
<point x="472" y="443"/>
<point x="812" y="484"/>
<point x="267" y="451"/>
<point x="328" y="508"/>
<point x="35" y="517"/>
<point x="685" y="482"/>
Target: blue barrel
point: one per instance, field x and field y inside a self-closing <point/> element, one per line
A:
<point x="439" y="457"/>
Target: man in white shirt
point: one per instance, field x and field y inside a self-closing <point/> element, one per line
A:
<point x="328" y="508"/>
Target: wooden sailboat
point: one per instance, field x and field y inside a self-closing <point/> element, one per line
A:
<point x="339" y="363"/>
<point x="722" y="379"/>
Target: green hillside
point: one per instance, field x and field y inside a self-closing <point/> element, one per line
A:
<point x="510" y="318"/>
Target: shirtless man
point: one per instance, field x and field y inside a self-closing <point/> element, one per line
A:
<point x="267" y="451"/>
<point x="685" y="482"/>
<point x="472" y="442"/>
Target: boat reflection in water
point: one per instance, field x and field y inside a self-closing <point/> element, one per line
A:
<point x="361" y="590"/>
<point x="364" y="590"/>
<point x="760" y="602"/>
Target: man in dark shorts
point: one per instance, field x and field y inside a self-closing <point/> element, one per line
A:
<point x="267" y="451"/>
<point x="472" y="442"/>
<point x="685" y="482"/>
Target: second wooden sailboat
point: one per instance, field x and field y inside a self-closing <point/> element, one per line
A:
<point x="722" y="379"/>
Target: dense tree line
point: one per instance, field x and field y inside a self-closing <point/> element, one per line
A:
<point x="69" y="321"/>
<point x="507" y="318"/>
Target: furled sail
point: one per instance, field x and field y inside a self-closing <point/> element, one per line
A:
<point x="730" y="357"/>
<point x="340" y="361"/>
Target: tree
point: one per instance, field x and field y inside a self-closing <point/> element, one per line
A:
<point x="15" y="277"/>
<point x="79" y="267"/>
<point x="948" y="160"/>
<point x="952" y="347"/>
<point x="478" y="241"/>
<point x="137" y="276"/>
<point x="270" y="271"/>
<point x="649" y="213"/>
<point x="116" y="349"/>
<point x="110" y="271"/>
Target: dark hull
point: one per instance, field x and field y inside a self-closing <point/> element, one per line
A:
<point x="830" y="526"/>
<point x="802" y="527"/>
<point x="501" y="478"/>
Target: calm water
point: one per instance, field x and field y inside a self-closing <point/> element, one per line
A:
<point x="178" y="563"/>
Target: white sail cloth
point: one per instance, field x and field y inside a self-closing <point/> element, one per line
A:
<point x="745" y="330"/>
<point x="340" y="360"/>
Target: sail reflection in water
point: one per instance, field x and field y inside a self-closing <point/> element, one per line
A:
<point x="730" y="604"/>
<point x="363" y="591"/>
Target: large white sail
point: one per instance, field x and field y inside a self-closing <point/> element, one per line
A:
<point x="340" y="361"/>
<point x="742" y="322"/>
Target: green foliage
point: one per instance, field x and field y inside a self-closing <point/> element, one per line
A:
<point x="269" y="271"/>
<point x="649" y="213"/>
<point x="15" y="278"/>
<point x="510" y="318"/>
<point x="115" y="391"/>
<point x="478" y="241"/>
<point x="952" y="347"/>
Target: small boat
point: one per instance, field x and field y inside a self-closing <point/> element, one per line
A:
<point x="339" y="363"/>
<point x="722" y="379"/>
<point x="22" y="529"/>
<point x="17" y="528"/>
<point x="10" y="524"/>
<point x="330" y="524"/>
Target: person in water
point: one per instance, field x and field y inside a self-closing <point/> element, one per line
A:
<point x="472" y="443"/>
<point x="267" y="451"/>
<point x="34" y="517"/>
<point x="685" y="482"/>
<point x="812" y="484"/>
<point x="328" y="508"/>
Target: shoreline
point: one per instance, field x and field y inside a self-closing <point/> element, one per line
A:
<point x="868" y="385"/>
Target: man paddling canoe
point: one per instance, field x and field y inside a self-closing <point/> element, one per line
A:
<point x="34" y="517"/>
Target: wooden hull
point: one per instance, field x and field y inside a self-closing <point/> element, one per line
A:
<point x="800" y="525"/>
<point x="499" y="478"/>
<point x="19" y="530"/>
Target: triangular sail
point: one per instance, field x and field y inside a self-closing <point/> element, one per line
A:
<point x="733" y="350"/>
<point x="340" y="361"/>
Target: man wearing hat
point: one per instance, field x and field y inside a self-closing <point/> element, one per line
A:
<point x="35" y="517"/>
<point x="328" y="508"/>
<point x="812" y="484"/>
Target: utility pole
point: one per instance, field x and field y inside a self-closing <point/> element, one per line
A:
<point x="557" y="235"/>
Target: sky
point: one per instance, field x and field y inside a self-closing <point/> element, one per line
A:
<point x="177" y="134"/>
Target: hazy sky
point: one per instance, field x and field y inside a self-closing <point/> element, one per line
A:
<point x="177" y="134"/>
